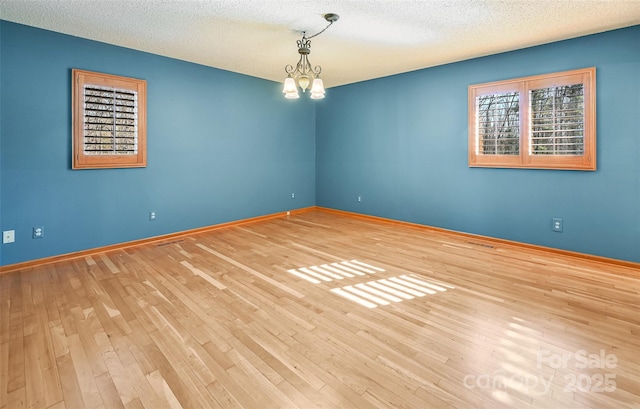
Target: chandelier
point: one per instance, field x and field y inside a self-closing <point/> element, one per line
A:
<point x="303" y="74"/>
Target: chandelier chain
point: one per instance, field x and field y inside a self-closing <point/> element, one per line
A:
<point x="304" y="33"/>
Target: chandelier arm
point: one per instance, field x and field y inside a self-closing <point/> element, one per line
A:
<point x="289" y="69"/>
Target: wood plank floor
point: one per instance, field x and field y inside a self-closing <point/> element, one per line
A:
<point x="320" y="310"/>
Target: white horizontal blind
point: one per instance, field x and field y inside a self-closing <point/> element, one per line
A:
<point x="110" y="121"/>
<point x="557" y="120"/>
<point x="498" y="124"/>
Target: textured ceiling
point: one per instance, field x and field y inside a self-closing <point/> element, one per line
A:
<point x="373" y="38"/>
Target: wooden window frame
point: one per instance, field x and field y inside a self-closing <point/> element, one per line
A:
<point x="80" y="160"/>
<point x="525" y="159"/>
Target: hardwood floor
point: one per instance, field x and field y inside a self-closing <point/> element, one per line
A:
<point x="320" y="310"/>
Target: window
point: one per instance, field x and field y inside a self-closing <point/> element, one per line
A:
<point x="109" y="121"/>
<point x="546" y="121"/>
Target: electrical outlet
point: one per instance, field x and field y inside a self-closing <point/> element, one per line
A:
<point x="38" y="232"/>
<point x="293" y="195"/>
<point x="8" y="236"/>
<point x="359" y="198"/>
<point x="152" y="216"/>
<point x="557" y="225"/>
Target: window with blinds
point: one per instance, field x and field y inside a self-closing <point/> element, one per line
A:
<point x="557" y="120"/>
<point x="109" y="121"/>
<point x="546" y="121"/>
<point x="498" y="124"/>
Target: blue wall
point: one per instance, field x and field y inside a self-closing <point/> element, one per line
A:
<point x="401" y="143"/>
<point x="221" y="147"/>
<point x="224" y="146"/>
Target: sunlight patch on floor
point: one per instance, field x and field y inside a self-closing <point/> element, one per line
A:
<point x="387" y="290"/>
<point x="335" y="271"/>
